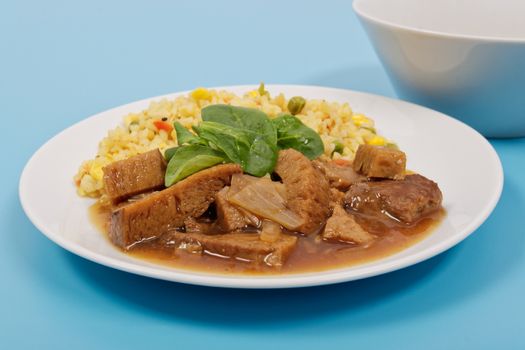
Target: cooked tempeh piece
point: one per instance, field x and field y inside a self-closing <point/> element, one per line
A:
<point x="229" y="217"/>
<point x="247" y="246"/>
<point x="340" y="177"/>
<point x="380" y="162"/>
<point x="307" y="189"/>
<point x="166" y="210"/>
<point x="141" y="173"/>
<point x="342" y="227"/>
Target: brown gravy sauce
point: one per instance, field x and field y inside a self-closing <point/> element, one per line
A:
<point x="309" y="255"/>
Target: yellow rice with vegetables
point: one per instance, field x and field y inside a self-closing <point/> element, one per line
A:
<point x="341" y="130"/>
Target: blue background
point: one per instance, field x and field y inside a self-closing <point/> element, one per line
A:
<point x="62" y="61"/>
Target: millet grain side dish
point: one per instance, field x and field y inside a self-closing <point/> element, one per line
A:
<point x="337" y="124"/>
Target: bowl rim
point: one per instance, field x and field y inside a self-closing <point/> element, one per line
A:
<point x="435" y="33"/>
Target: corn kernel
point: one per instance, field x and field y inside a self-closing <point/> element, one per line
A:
<point x="201" y="94"/>
<point x="377" y="141"/>
<point x="150" y="134"/>
<point x="97" y="173"/>
<point x="131" y="118"/>
<point x="360" y="119"/>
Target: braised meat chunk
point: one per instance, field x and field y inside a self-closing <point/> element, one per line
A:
<point x="307" y="190"/>
<point x="135" y="175"/>
<point x="195" y="193"/>
<point x="237" y="245"/>
<point x="336" y="198"/>
<point x="229" y="217"/>
<point x="380" y="162"/>
<point x="166" y="210"/>
<point x="340" y="176"/>
<point x="405" y="200"/>
<point x="342" y="227"/>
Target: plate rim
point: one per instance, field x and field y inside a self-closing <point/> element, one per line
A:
<point x="331" y="276"/>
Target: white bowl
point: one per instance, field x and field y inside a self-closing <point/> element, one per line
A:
<point x="465" y="58"/>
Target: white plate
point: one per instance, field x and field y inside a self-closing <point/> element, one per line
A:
<point x="464" y="164"/>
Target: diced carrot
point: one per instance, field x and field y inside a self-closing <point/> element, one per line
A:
<point x="161" y="125"/>
<point x="341" y="162"/>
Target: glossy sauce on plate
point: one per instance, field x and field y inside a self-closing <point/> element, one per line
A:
<point x="309" y="255"/>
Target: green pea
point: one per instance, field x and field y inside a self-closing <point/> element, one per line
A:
<point x="296" y="104"/>
<point x="339" y="147"/>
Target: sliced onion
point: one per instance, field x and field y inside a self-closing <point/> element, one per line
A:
<point x="262" y="198"/>
<point x="270" y="231"/>
<point x="253" y="219"/>
<point x="240" y="181"/>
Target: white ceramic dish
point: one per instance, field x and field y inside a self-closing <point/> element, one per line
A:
<point x="464" y="58"/>
<point x="464" y="164"/>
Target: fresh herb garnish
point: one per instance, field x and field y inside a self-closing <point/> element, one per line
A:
<point x="239" y="135"/>
<point x="292" y="133"/>
<point x="184" y="136"/>
<point x="190" y="159"/>
<point x="232" y="141"/>
<point x="248" y="119"/>
<point x="246" y="135"/>
<point x="170" y="152"/>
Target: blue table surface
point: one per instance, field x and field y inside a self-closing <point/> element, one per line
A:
<point x="62" y="61"/>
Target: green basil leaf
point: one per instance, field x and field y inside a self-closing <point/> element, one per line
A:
<point x="184" y="135"/>
<point x="248" y="119"/>
<point x="170" y="152"/>
<point x="232" y="141"/>
<point x="190" y="159"/>
<point x="251" y="151"/>
<point x="248" y="136"/>
<point x="262" y="157"/>
<point x="292" y="133"/>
